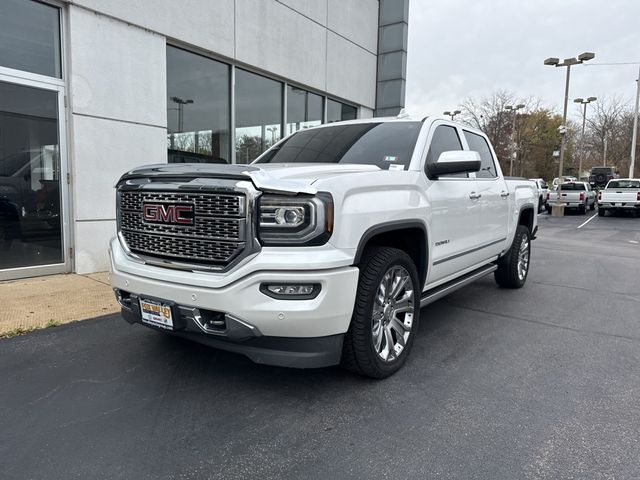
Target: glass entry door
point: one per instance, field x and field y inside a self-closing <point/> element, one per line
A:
<point x="31" y="225"/>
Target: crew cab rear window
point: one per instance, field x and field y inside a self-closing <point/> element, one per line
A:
<point x="480" y="145"/>
<point x="388" y="145"/>
<point x="624" y="184"/>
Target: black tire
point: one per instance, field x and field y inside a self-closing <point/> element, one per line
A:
<point x="507" y="275"/>
<point x="582" y="209"/>
<point x="593" y="206"/>
<point x="540" y="205"/>
<point x="359" y="354"/>
<point x="548" y="210"/>
<point x="601" y="212"/>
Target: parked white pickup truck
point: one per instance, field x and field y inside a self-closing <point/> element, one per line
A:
<point x="619" y="194"/>
<point x="573" y="195"/>
<point x="543" y="191"/>
<point x="324" y="249"/>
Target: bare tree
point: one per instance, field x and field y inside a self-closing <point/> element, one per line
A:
<point x="610" y="120"/>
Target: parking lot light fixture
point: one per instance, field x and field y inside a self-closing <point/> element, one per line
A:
<point x="513" y="133"/>
<point x="452" y="114"/>
<point x="584" y="104"/>
<point x="568" y="62"/>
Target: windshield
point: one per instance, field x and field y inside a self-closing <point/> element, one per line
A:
<point x="388" y="145"/>
<point x="624" y="184"/>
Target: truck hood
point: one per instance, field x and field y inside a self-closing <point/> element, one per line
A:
<point x="272" y="177"/>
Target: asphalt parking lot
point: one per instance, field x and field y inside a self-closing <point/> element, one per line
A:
<point x="543" y="382"/>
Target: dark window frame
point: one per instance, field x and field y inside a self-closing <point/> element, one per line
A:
<point x="427" y="161"/>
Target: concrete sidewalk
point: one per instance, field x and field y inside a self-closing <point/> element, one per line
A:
<point x="39" y="302"/>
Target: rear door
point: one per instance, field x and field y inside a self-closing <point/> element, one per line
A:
<point x="454" y="209"/>
<point x="494" y="199"/>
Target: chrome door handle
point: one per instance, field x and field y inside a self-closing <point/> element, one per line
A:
<point x="474" y="195"/>
<point x="504" y="194"/>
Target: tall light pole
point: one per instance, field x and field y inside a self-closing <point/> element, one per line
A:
<point x="181" y="103"/>
<point x="513" y="133"/>
<point x="568" y="62"/>
<point x="452" y="114"/>
<point x="634" y="137"/>
<point x="584" y="104"/>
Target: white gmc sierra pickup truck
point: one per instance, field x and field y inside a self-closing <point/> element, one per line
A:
<point x="324" y="249"/>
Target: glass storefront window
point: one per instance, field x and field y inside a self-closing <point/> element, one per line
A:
<point x="304" y="109"/>
<point x="30" y="215"/>
<point x="258" y="114"/>
<point x="198" y="108"/>
<point x="337" y="111"/>
<point x="30" y="37"/>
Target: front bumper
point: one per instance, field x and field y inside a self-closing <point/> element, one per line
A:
<point x="298" y="333"/>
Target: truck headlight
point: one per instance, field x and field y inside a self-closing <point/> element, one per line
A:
<point x="299" y="220"/>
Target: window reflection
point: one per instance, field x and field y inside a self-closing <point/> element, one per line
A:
<point x="197" y="108"/>
<point x="258" y="114"/>
<point x="304" y="109"/>
<point x="30" y="37"/>
<point x="337" y="111"/>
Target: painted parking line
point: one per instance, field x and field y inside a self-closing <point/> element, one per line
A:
<point x="594" y="216"/>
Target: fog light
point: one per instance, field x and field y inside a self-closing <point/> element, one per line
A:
<point x="291" y="291"/>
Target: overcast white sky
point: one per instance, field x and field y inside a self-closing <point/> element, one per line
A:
<point x="469" y="48"/>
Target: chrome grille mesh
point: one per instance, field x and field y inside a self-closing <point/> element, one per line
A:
<point x="210" y="204"/>
<point x="217" y="237"/>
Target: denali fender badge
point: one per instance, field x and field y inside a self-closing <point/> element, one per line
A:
<point x="180" y="214"/>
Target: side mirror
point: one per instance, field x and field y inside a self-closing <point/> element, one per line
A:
<point x="455" y="161"/>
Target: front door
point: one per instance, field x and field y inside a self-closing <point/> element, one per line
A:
<point x="455" y="208"/>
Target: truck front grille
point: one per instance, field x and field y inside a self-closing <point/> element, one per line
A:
<point x="214" y="236"/>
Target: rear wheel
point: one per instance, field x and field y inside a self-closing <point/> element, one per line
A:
<point x="513" y="267"/>
<point x="601" y="212"/>
<point x="593" y="206"/>
<point x="385" y="316"/>
<point x="582" y="209"/>
<point x="548" y="209"/>
<point x="540" y="205"/>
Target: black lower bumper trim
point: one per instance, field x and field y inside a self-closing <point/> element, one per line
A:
<point x="294" y="352"/>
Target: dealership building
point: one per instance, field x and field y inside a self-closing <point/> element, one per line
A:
<point x="92" y="88"/>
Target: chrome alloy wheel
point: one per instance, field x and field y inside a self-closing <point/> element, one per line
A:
<point x="392" y="317"/>
<point x="523" y="259"/>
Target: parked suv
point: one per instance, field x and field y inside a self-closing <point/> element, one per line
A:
<point x="600" y="176"/>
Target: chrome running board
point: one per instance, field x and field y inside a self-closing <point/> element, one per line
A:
<point x="437" y="293"/>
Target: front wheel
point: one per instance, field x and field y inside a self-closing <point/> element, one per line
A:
<point x="385" y="316"/>
<point x="513" y="267"/>
<point x="593" y="206"/>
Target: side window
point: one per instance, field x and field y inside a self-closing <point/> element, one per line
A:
<point x="480" y="145"/>
<point x="445" y="138"/>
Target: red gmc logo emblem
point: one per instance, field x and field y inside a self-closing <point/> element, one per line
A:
<point x="168" y="213"/>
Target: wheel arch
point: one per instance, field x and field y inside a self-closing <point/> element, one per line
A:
<point x="526" y="217"/>
<point x="409" y="236"/>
